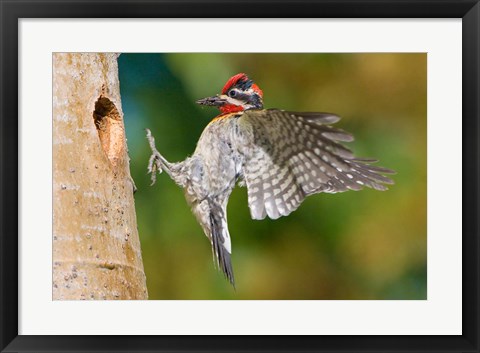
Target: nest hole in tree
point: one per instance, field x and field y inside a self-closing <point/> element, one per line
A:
<point x="110" y="129"/>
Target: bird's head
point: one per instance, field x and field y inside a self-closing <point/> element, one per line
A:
<point x="238" y="94"/>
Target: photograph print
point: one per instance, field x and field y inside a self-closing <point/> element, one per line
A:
<point x="240" y="176"/>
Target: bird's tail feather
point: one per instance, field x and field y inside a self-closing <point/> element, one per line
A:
<point x="219" y="236"/>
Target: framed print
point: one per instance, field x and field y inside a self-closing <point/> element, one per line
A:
<point x="130" y="131"/>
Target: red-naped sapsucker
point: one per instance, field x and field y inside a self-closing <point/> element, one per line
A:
<point x="280" y="156"/>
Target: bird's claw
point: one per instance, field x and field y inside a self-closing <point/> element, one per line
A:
<point x="154" y="167"/>
<point x="155" y="161"/>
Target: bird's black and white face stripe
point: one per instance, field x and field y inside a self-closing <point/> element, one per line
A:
<point x="248" y="99"/>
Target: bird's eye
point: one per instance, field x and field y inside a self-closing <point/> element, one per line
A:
<point x="232" y="93"/>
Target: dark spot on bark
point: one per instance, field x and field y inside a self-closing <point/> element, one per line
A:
<point x="107" y="265"/>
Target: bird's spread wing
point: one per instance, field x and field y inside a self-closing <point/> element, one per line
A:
<point x="290" y="155"/>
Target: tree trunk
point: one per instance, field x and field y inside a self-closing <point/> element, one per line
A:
<point x="96" y="248"/>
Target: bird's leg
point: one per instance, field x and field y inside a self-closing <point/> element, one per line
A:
<point x="157" y="163"/>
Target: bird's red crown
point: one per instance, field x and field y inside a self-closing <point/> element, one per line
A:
<point x="238" y="79"/>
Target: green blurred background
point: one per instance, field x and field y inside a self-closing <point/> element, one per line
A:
<point x="354" y="245"/>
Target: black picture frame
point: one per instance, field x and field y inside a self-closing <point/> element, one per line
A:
<point x="12" y="11"/>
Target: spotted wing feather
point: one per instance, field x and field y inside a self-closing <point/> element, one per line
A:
<point x="292" y="155"/>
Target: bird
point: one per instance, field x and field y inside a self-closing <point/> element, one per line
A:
<point x="280" y="156"/>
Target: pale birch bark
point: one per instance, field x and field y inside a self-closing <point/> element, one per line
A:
<point x="96" y="248"/>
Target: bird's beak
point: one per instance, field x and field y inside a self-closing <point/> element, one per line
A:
<point x="216" y="101"/>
